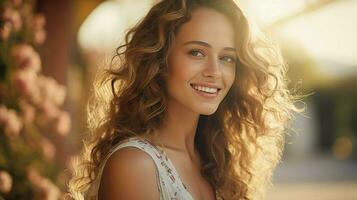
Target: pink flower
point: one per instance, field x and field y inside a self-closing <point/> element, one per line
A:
<point x="24" y="81"/>
<point x="5" y="182"/>
<point x="28" y="111"/>
<point x="63" y="124"/>
<point x="39" y="21"/>
<point x="13" y="17"/>
<point x="48" y="149"/>
<point x="35" y="96"/>
<point x="5" y="31"/>
<point x="51" y="90"/>
<point x="49" y="110"/>
<point x="39" y="36"/>
<point x="10" y="121"/>
<point x="59" y="97"/>
<point x="49" y="191"/>
<point x="26" y="57"/>
<point x="33" y="176"/>
<point x="45" y="187"/>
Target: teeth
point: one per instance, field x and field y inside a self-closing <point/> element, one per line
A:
<point x="205" y="89"/>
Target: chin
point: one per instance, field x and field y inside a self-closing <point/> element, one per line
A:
<point x="207" y="110"/>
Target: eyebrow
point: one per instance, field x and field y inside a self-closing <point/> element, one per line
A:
<point x="207" y="45"/>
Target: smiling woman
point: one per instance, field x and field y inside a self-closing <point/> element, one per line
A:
<point x="201" y="61"/>
<point x="196" y="100"/>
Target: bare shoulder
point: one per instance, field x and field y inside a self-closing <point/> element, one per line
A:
<point x="129" y="173"/>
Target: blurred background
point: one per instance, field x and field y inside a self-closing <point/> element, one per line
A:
<point x="51" y="50"/>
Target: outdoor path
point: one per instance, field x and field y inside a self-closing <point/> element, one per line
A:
<point x="317" y="178"/>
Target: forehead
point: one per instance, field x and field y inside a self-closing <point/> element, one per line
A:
<point x="207" y="25"/>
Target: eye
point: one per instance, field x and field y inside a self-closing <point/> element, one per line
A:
<point x="229" y="59"/>
<point x="196" y="53"/>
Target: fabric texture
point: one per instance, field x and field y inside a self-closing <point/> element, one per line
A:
<point x="169" y="183"/>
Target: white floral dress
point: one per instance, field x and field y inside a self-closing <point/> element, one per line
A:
<point x="169" y="182"/>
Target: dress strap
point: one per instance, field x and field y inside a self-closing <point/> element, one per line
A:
<point x="169" y="183"/>
<point x="141" y="144"/>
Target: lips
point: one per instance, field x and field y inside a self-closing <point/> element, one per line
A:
<point x="206" y="88"/>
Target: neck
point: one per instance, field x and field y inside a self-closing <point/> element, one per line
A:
<point x="179" y="129"/>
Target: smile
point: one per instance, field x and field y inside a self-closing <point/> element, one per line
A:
<point x="205" y="89"/>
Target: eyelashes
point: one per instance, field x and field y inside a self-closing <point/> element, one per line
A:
<point x="200" y="54"/>
<point x="229" y="59"/>
<point x="196" y="53"/>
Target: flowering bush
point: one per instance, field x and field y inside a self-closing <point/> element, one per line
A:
<point x="30" y="112"/>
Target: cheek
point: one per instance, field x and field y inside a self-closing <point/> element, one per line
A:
<point x="229" y="76"/>
<point x="181" y="68"/>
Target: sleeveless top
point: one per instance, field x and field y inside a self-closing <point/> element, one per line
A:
<point x="168" y="180"/>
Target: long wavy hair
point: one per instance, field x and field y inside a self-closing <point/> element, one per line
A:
<point x="240" y="144"/>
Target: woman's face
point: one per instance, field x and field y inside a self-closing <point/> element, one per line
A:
<point x="202" y="62"/>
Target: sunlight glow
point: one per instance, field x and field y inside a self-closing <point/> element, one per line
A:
<point x="105" y="27"/>
<point x="328" y="34"/>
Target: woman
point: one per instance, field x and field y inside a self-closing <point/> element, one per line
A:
<point x="199" y="102"/>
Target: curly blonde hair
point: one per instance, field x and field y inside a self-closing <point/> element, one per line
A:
<point x="240" y="144"/>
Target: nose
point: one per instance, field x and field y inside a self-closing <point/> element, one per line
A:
<point x="212" y="69"/>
